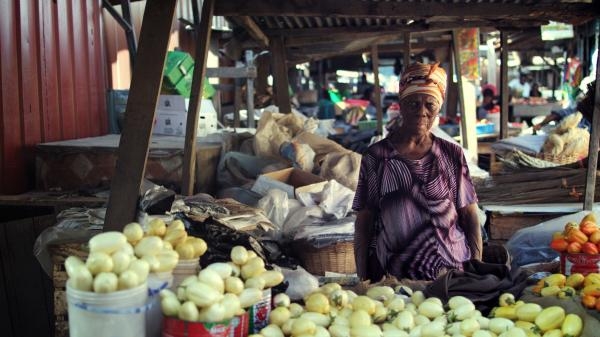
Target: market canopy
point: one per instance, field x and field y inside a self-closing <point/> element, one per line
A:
<point x="314" y="29"/>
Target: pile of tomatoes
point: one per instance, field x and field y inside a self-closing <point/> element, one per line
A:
<point x="578" y="238"/>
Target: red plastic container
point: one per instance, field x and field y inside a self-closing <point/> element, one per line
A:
<point x="579" y="263"/>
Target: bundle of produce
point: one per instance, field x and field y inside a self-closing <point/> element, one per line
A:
<point x="123" y="260"/>
<point x="384" y="311"/>
<point x="568" y="140"/>
<point x="561" y="286"/>
<point x="222" y="290"/>
<point x="578" y="238"/>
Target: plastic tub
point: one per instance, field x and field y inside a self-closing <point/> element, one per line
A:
<point x="184" y="269"/>
<point x="121" y="313"/>
<point x="156" y="283"/>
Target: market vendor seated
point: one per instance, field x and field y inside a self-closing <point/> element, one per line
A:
<point x="416" y="204"/>
<point x="488" y="102"/>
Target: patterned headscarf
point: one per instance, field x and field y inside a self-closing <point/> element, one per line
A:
<point x="421" y="78"/>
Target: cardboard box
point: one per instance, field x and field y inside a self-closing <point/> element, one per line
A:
<point x="579" y="263"/>
<point x="287" y="180"/>
<point x="171" y="117"/>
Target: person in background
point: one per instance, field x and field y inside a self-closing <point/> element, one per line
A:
<point x="370" y="110"/>
<point x="585" y="106"/>
<point x="416" y="205"/>
<point x="326" y="106"/>
<point x="488" y="102"/>
<point x="520" y="87"/>
<point x="535" y="90"/>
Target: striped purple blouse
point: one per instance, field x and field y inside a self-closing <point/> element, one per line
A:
<point x="416" y="204"/>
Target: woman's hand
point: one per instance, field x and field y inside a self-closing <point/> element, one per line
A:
<point x="470" y="224"/>
<point x="363" y="231"/>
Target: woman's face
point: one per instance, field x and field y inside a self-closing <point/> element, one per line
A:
<point x="419" y="112"/>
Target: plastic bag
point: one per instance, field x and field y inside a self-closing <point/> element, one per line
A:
<point x="532" y="244"/>
<point x="275" y="205"/>
<point x="336" y="199"/>
<point x="301" y="282"/>
<point x="301" y="155"/>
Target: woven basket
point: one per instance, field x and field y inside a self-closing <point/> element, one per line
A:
<point x="337" y="258"/>
<point x="59" y="254"/>
<point x="558" y="159"/>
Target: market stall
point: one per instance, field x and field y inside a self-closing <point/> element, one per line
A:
<point x="249" y="282"/>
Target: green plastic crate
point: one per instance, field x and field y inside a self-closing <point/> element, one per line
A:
<point x="184" y="86"/>
<point x="178" y="65"/>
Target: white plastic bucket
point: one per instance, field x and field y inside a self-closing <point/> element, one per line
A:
<point x="494" y="117"/>
<point x="118" y="314"/>
<point x="156" y="283"/>
<point x="184" y="269"/>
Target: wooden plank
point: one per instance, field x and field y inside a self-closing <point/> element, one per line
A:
<point x="81" y="81"/>
<point x="10" y="119"/>
<point x="231" y="72"/>
<point x="504" y="93"/>
<point x="280" y="75"/>
<point x="593" y="151"/>
<point x="377" y="88"/>
<point x="253" y="29"/>
<point x="65" y="72"/>
<point x="29" y="60"/>
<point x="467" y="120"/>
<point x="407" y="10"/>
<point x="139" y="113"/>
<point x="406" y="53"/>
<point x="315" y="40"/>
<point x="49" y="80"/>
<point x="202" y="46"/>
<point x="452" y="88"/>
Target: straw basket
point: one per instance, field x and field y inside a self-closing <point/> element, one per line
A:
<point x="558" y="159"/>
<point x="59" y="254"/>
<point x="338" y="257"/>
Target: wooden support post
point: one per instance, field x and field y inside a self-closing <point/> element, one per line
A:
<point x="280" y="75"/>
<point x="198" y="78"/>
<point x="139" y="114"/>
<point x="452" y="88"/>
<point x="504" y="93"/>
<point x="250" y="90"/>
<point x="237" y="103"/>
<point x="593" y="152"/>
<point x="377" y="89"/>
<point x="467" y="115"/>
<point x="406" y="51"/>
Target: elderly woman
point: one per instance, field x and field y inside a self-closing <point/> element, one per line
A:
<point x="416" y="204"/>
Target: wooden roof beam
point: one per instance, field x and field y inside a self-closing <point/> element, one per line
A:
<point x="392" y="9"/>
<point x="252" y="28"/>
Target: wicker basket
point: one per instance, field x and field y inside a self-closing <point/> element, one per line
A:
<point x="558" y="159"/>
<point x="59" y="254"/>
<point x="337" y="258"/>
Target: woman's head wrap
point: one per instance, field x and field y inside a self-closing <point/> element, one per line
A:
<point x="421" y="78"/>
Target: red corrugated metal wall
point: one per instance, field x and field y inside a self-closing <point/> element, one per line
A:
<point x="53" y="80"/>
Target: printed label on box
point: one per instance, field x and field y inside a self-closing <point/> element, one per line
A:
<point x="239" y="326"/>
<point x="173" y="327"/>
<point x="259" y="313"/>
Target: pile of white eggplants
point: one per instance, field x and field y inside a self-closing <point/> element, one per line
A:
<point x="123" y="260"/>
<point x="333" y="312"/>
<point x="221" y="290"/>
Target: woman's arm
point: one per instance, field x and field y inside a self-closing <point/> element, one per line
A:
<point x="470" y="224"/>
<point x="363" y="230"/>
